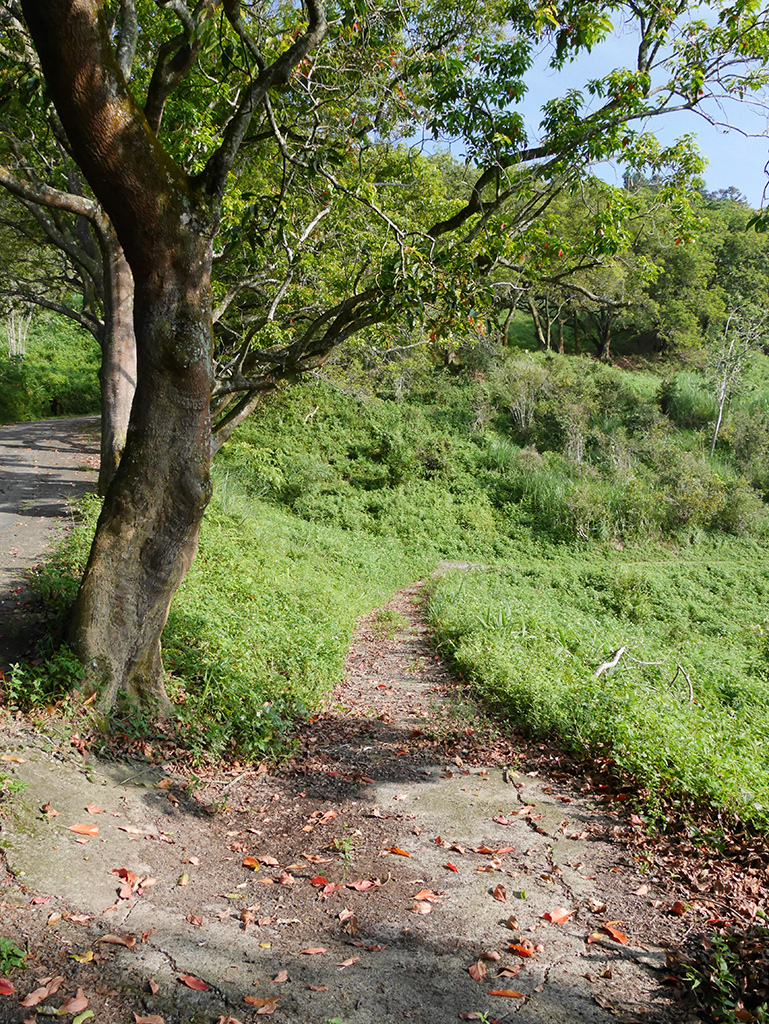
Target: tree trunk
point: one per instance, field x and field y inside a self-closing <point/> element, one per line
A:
<point x="537" y="321"/>
<point x="148" y="529"/>
<point x="117" y="376"/>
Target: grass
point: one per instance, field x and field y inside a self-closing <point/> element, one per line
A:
<point x="606" y="525"/>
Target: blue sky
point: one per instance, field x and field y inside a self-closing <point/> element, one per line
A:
<point x="733" y="159"/>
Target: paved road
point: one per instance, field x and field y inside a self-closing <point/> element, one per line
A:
<point x="43" y="465"/>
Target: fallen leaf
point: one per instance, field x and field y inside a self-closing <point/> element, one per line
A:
<point x="478" y="970"/>
<point x="192" y="982"/>
<point x="152" y="1019"/>
<point x="251" y="862"/>
<point x="397" y="849"/>
<point x="421" y="908"/>
<point x="512" y="923"/>
<point x="85" y="958"/>
<point x="313" y="950"/>
<point x="12" y="759"/>
<point x="153" y="986"/>
<point x="677" y="908"/>
<point x="642" y="890"/>
<point x="6" y="988"/>
<point x="262" y="1001"/>
<point x="93" y="809"/>
<point x="39" y="901"/>
<point x="131" y="830"/>
<point x="364" y="885"/>
<point x="614" y="933"/>
<point x="183" y="879"/>
<point x="49" y="811"/>
<point x="75" y="1003"/>
<point x="500" y="893"/>
<point x="82" y="1016"/>
<point x="349" y="962"/>
<point x="427" y="894"/>
<point x="500" y="819"/>
<point x="318" y="988"/>
<point x="469" y="1015"/>
<point x="84" y="830"/>
<point x="491" y="955"/>
<point x="520" y="950"/>
<point x="510" y="971"/>
<point x="119" y="940"/>
<point x="597" y="906"/>
<point x="191" y="860"/>
<point x="54" y="918"/>
<point x="80" y="918"/>
<point x="509" y="992"/>
<point x="195" y="921"/>
<point x="450" y="866"/>
<point x="346" y="914"/>
<point x="280" y="978"/>
<point x="558" y="915"/>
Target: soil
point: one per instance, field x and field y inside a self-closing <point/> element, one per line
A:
<point x="409" y="863"/>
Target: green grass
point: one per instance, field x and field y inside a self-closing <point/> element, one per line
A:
<point x="530" y="635"/>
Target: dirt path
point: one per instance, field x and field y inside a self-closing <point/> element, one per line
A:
<point x="389" y="796"/>
<point x="43" y="465"/>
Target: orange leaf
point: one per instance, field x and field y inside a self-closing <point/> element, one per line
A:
<point x="450" y="866"/>
<point x="557" y="916"/>
<point x="500" y="893"/>
<point x="401" y="853"/>
<point x="75" y="1004"/>
<point x="319" y="880"/>
<point x="478" y="971"/>
<point x="426" y="894"/>
<point x="509" y="992"/>
<point x="251" y="862"/>
<point x="261" y="1000"/>
<point x="313" y="950"/>
<point x="521" y="950"/>
<point x="84" y="830"/>
<point x="678" y="909"/>
<point x="192" y="982"/>
<point x="94" y="809"/>
<point x="614" y="933"/>
<point x="6" y="988"/>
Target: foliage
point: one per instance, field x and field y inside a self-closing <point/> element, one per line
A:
<point x="727" y="973"/>
<point x="56" y="376"/>
<point x="10" y="956"/>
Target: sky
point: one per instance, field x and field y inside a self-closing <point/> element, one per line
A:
<point x="734" y="160"/>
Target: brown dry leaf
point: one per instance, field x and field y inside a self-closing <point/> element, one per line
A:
<point x="318" y="988"/>
<point x="84" y="830"/>
<point x="510" y="971"/>
<point x="39" y="901"/>
<point x="269" y="861"/>
<point x="152" y="1019"/>
<point x="642" y="890"/>
<point x="512" y="923"/>
<point x="193" y="920"/>
<point x="131" y="830"/>
<point x="12" y="759"/>
<point x="491" y="955"/>
<point x="678" y="909"/>
<point x="313" y="950"/>
<point x="261" y="1000"/>
<point x="349" y="962"/>
<point x="48" y="810"/>
<point x="192" y="982"/>
<point x="597" y="906"/>
<point x="286" y="878"/>
<point x="153" y="986"/>
<point x="75" y="1003"/>
<point x="364" y="885"/>
<point x="346" y="914"/>
<point x="119" y="940"/>
<point x="280" y="978"/>
<point x="478" y="970"/>
<point x="93" y="809"/>
<point x="80" y="918"/>
<point x="54" y="918"/>
<point x="35" y="997"/>
<point x="510" y="993"/>
<point x="500" y="893"/>
<point x="421" y="908"/>
<point x="558" y="915"/>
<point x="191" y="860"/>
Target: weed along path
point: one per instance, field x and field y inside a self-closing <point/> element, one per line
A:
<point x="400" y="868"/>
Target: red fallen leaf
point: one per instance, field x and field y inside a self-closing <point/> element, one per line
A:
<point x="483" y="849"/>
<point x="251" y="862"/>
<point x="614" y="933"/>
<point x="328" y="816"/>
<point x="716" y="921"/>
<point x="319" y="880"/>
<point x="331" y="887"/>
<point x="261" y="1001"/>
<point x="558" y="915"/>
<point x="397" y="849"/>
<point x="427" y="894"/>
<point x="313" y="950"/>
<point x="500" y="893"/>
<point x="364" y="885"/>
<point x="6" y="988"/>
<point x="75" y="1003"/>
<point x="678" y="909"/>
<point x="509" y="992"/>
<point x="503" y="849"/>
<point x="192" y="982"/>
<point x="84" y="830"/>
<point x="500" y="819"/>
<point x="318" y="988"/>
<point x="119" y="940"/>
<point x="450" y="866"/>
<point x="39" y="900"/>
<point x="520" y="950"/>
<point x="478" y="971"/>
<point x="93" y="809"/>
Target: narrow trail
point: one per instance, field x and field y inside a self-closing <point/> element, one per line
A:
<point x="391" y="806"/>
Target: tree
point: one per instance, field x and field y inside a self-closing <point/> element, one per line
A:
<point x="454" y="67"/>
<point x="728" y="358"/>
